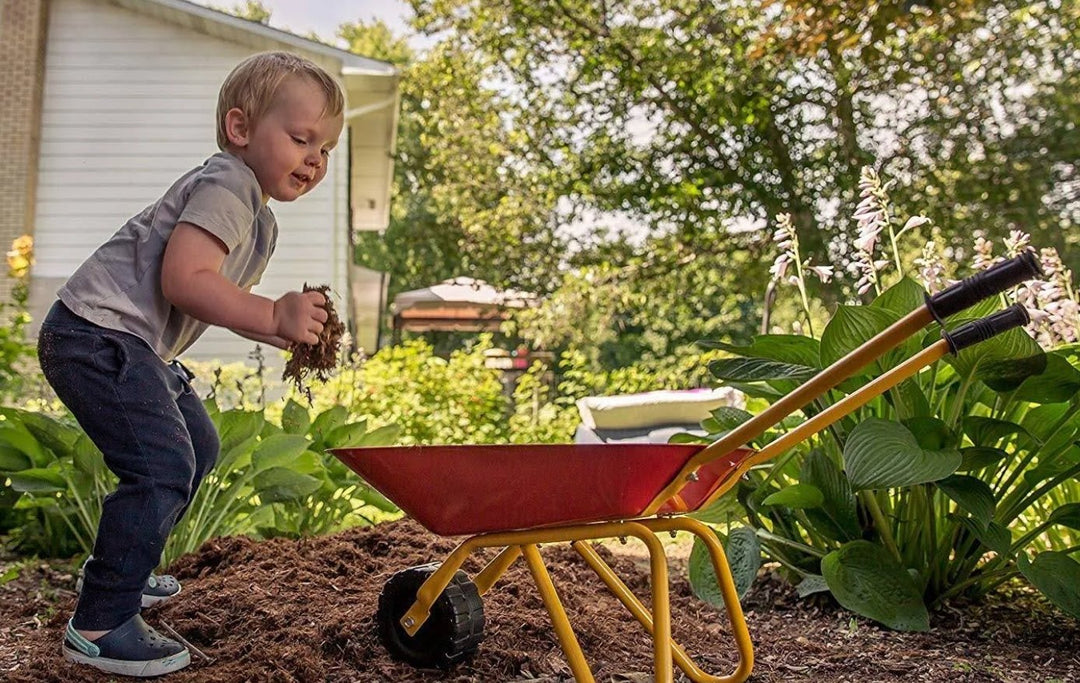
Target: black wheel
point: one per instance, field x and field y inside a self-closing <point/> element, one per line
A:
<point x="450" y="635"/>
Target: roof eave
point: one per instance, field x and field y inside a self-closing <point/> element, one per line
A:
<point x="351" y="64"/>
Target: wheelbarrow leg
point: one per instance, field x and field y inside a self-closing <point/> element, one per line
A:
<point x="641" y="613"/>
<point x="570" y="646"/>
<point x="496" y="568"/>
<point x="658" y="624"/>
<point x="727" y="589"/>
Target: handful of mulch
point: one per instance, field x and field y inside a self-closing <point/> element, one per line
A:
<point x="316" y="359"/>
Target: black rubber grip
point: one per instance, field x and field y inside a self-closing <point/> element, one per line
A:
<point x="982" y="329"/>
<point x="993" y="280"/>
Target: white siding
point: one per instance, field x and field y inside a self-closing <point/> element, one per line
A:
<point x="128" y="107"/>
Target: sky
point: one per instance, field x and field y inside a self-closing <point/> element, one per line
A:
<point x="324" y="16"/>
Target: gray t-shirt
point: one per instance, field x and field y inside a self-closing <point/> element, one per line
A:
<point x="119" y="285"/>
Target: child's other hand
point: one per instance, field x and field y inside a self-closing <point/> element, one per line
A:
<point x="299" y="316"/>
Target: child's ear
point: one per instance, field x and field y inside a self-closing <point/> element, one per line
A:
<point x="237" y="127"/>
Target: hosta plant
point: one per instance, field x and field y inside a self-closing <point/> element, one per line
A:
<point x="955" y="481"/>
<point x="269" y="479"/>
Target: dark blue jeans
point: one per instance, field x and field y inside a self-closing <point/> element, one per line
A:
<point x="155" y="436"/>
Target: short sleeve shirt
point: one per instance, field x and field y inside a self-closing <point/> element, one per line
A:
<point x="119" y="285"/>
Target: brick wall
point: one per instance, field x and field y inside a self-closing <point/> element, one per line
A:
<point x="23" y="25"/>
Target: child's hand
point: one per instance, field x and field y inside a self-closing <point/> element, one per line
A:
<point x="299" y="316"/>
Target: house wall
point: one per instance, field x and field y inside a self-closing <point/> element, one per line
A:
<point x="22" y="53"/>
<point x="128" y="107"/>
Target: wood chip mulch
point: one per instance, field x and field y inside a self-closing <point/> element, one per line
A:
<point x="302" y="610"/>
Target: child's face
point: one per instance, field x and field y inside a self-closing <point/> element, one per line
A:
<point x="288" y="148"/>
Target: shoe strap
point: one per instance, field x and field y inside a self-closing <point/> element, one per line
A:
<point x="87" y="647"/>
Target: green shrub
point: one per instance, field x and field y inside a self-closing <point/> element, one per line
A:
<point x="432" y="400"/>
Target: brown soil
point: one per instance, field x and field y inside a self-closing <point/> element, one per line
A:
<point x="316" y="360"/>
<point x="285" y="610"/>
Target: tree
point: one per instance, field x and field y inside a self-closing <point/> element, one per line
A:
<point x="466" y="202"/>
<point x="694" y="115"/>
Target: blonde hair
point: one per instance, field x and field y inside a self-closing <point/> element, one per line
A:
<point x="253" y="83"/>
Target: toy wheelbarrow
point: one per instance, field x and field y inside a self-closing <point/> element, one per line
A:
<point x="516" y="497"/>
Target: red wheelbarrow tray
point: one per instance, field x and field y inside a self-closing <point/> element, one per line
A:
<point x="474" y="489"/>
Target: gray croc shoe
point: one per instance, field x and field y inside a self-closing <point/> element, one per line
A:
<point x="157" y="589"/>
<point x="130" y="649"/>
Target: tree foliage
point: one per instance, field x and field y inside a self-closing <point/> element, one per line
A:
<point x="695" y="115"/>
<point x="466" y="200"/>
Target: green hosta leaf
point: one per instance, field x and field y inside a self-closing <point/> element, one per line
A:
<point x="1043" y="423"/>
<point x="1002" y="362"/>
<point x="753" y="390"/>
<point x="685" y="437"/>
<point x="86" y="457"/>
<point x="797" y="496"/>
<point x="279" y="484"/>
<point x="972" y="495"/>
<point x="327" y="422"/>
<point x="743" y="553"/>
<point x="744" y="559"/>
<point x="1067" y="515"/>
<point x="371" y="497"/>
<point x="987" y="431"/>
<point x="13" y="460"/>
<point x="270" y="429"/>
<point x="36" y="502"/>
<point x="849" y="328"/>
<point x="757" y="370"/>
<point x="49" y="434"/>
<point x="723" y="510"/>
<point x="279" y="450"/>
<point x="994" y="536"/>
<point x="977" y="458"/>
<point x="381" y="436"/>
<point x="789" y="349"/>
<point x="295" y="418"/>
<point x="309" y="462"/>
<point x="726" y="418"/>
<point x="837" y="516"/>
<point x="1058" y="383"/>
<point x="238" y="456"/>
<point x="866" y="579"/>
<point x="931" y="433"/>
<point x="813" y="583"/>
<point x="909" y="399"/>
<point x="902" y="298"/>
<point x="237" y="427"/>
<point x="883" y="454"/>
<point x="979" y="309"/>
<point x="37" y="480"/>
<point x="347" y="435"/>
<point x="1055" y="466"/>
<point x="1058" y="577"/>
<point x="16" y="435"/>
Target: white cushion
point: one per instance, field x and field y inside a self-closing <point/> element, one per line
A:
<point x="654" y="408"/>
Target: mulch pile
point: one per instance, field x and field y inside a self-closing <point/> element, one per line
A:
<point x="302" y="610"/>
<point x="316" y="360"/>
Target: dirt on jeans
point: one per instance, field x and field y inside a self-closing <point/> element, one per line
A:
<point x="303" y="610"/>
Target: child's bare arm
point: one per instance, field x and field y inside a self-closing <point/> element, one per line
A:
<point x="191" y="280"/>
<point x="272" y="340"/>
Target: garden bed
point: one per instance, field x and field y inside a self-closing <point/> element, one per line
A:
<point x="301" y="610"/>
